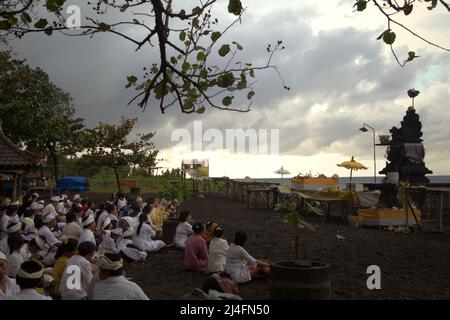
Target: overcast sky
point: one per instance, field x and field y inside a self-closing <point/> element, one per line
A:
<point x="339" y="74"/>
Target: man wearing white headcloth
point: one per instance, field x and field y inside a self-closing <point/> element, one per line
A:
<point x="127" y="238"/>
<point x="107" y="244"/>
<point x="49" y="220"/>
<point x="83" y="263"/>
<point x="14" y="228"/>
<point x="8" y="286"/>
<point x="72" y="229"/>
<point x="113" y="285"/>
<point x="29" y="277"/>
<point x="132" y="257"/>
<point x="88" y="232"/>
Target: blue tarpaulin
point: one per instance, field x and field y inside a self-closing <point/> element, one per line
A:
<point x="73" y="184"/>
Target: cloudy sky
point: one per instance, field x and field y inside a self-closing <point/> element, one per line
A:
<point x="339" y="74"/>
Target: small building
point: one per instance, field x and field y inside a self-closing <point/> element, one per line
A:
<point x="14" y="164"/>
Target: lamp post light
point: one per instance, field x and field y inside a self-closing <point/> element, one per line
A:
<point x="364" y="129"/>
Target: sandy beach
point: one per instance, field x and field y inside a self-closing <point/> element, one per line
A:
<point x="413" y="266"/>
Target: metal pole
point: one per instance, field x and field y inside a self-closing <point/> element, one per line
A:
<point x="374" y="154"/>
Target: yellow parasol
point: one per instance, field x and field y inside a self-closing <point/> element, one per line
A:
<point x="352" y="165"/>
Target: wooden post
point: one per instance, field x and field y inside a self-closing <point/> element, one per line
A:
<point x="441" y="206"/>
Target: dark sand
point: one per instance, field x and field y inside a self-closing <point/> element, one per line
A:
<point x="413" y="266"/>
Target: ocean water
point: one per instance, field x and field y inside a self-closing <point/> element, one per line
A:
<point x="344" y="180"/>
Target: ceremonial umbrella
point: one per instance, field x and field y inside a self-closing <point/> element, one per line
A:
<point x="281" y="171"/>
<point x="352" y="165"/>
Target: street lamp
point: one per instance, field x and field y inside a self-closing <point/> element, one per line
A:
<point x="364" y="129"/>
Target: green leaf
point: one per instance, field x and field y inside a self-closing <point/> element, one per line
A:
<point x="227" y="101"/>
<point x="197" y="10"/>
<point x="124" y="7"/>
<point x="223" y="51"/>
<point x="104" y="26"/>
<point x="48" y="31"/>
<point x="26" y="17"/>
<point x="5" y="25"/>
<point x="199" y="48"/>
<point x="201" y="56"/>
<point x="195" y="22"/>
<point x="361" y="5"/>
<point x="201" y="110"/>
<point x="136" y="21"/>
<point x="182" y="13"/>
<point x="182" y="36"/>
<point x="250" y="95"/>
<point x="226" y="80"/>
<point x="252" y="73"/>
<point x="13" y="20"/>
<point x="389" y="37"/>
<point x="52" y="5"/>
<point x="313" y="209"/>
<point x="411" y="56"/>
<point x="173" y="60"/>
<point x="235" y="7"/>
<point x="204" y="73"/>
<point x="185" y="67"/>
<point x="41" y="24"/>
<point x="154" y="69"/>
<point x="131" y="79"/>
<point x="215" y="36"/>
<point x="407" y="9"/>
<point x="237" y="45"/>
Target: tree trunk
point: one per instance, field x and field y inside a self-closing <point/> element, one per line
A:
<point x="54" y="157"/>
<point x="117" y="178"/>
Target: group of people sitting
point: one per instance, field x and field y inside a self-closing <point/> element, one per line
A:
<point x="206" y="251"/>
<point x="45" y="248"/>
<point x="73" y="249"/>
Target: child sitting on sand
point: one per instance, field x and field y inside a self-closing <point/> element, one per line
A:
<point x="218" y="249"/>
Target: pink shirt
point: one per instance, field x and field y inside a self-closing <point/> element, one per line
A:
<point x="196" y="253"/>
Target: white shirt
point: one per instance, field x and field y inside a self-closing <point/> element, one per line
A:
<point x="50" y="238"/>
<point x="72" y="230"/>
<point x="184" y="230"/>
<point x="236" y="265"/>
<point x="101" y="219"/>
<point x="4" y="224"/>
<point x="130" y="220"/>
<point x="217" y="255"/>
<point x="11" y="289"/>
<point x="87" y="235"/>
<point x="118" y="288"/>
<point x="121" y="203"/>
<point x="30" y="294"/>
<point x="85" y="268"/>
<point x="108" y="244"/>
<point x="14" y="262"/>
<point x="4" y="245"/>
<point x="123" y="244"/>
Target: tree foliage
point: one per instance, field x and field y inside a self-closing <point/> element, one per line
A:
<point x="389" y="8"/>
<point x="36" y="114"/>
<point x="196" y="68"/>
<point x="107" y="145"/>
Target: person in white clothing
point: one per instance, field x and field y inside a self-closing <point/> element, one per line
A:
<point x="29" y="277"/>
<point x="217" y="253"/>
<point x="127" y="238"/>
<point x="121" y="201"/>
<point x="113" y="285"/>
<point x="82" y="262"/>
<point x="184" y="229"/>
<point x="88" y="232"/>
<point x="132" y="257"/>
<point x="72" y="230"/>
<point x="240" y="265"/>
<point x="15" y="259"/>
<point x="100" y="217"/>
<point x="13" y="229"/>
<point x="8" y="286"/>
<point x="144" y="236"/>
<point x="49" y="220"/>
<point x="9" y="216"/>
